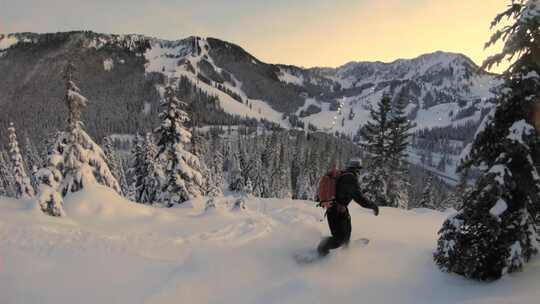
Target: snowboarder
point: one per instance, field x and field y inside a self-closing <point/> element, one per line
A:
<point x="339" y="219"/>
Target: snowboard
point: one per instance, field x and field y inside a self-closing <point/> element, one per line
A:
<point x="312" y="256"/>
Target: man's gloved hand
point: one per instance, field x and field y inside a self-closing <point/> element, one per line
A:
<point x="376" y="210"/>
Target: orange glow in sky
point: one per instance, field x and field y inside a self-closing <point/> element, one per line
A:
<point x="382" y="30"/>
<point x="300" y="32"/>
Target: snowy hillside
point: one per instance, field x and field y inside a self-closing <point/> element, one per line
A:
<point x="108" y="250"/>
<point x="443" y="89"/>
<point x="190" y="58"/>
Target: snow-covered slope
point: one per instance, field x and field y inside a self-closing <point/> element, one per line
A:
<point x="442" y="89"/>
<point x="190" y="58"/>
<point x="109" y="250"/>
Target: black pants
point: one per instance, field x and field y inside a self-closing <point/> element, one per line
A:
<point x="340" y="228"/>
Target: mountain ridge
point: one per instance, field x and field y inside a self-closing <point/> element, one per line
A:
<point x="350" y="62"/>
<point x="437" y="85"/>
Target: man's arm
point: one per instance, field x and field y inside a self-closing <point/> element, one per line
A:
<point x="353" y="189"/>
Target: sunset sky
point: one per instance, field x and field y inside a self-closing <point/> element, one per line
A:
<point x="300" y="32"/>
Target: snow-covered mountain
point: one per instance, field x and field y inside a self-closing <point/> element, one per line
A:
<point x="120" y="74"/>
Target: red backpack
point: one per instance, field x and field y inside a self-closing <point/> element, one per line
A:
<point x="327" y="186"/>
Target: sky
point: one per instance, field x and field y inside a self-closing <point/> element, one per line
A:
<point x="299" y="32"/>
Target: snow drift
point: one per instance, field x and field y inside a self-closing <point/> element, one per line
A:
<point x="110" y="250"/>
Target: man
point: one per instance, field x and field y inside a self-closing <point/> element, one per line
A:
<point x="339" y="219"/>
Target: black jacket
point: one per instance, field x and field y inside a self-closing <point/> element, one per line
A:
<point x="348" y="189"/>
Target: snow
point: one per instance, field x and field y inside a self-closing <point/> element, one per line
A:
<point x="147" y="108"/>
<point x="109" y="250"/>
<point x="287" y="77"/>
<point x="176" y="58"/>
<point x="531" y="74"/>
<point x="485" y="121"/>
<point x="7" y="41"/>
<point x="108" y="64"/>
<point x="518" y="130"/>
<point x="164" y="58"/>
<point x="500" y="171"/>
<point x="499" y="208"/>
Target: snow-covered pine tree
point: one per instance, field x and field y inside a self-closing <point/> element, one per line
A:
<point x="182" y="178"/>
<point x="6" y="178"/>
<point x="283" y="173"/>
<point x="246" y="167"/>
<point x="33" y="162"/>
<point x="153" y="172"/>
<point x="145" y="171"/>
<point x="248" y="187"/>
<point x="313" y="173"/>
<point x="236" y="179"/>
<point x="305" y="189"/>
<point x="269" y="159"/>
<point x="3" y="191"/>
<point x="427" y="200"/>
<point x="451" y="201"/>
<point x="50" y="178"/>
<point x="216" y="175"/>
<point x="256" y="174"/>
<point x="297" y="163"/>
<point x="84" y="161"/>
<point x="137" y="168"/>
<point x="376" y="134"/>
<point x="199" y="148"/>
<point x="114" y="163"/>
<point x="399" y="136"/>
<point x="23" y="186"/>
<point x="496" y="231"/>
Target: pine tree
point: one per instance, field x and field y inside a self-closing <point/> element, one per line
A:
<point x="399" y="135"/>
<point x="283" y="174"/>
<point x="246" y="168"/>
<point x="236" y="179"/>
<point x="298" y="163"/>
<point x="114" y="163"/>
<point x="312" y="174"/>
<point x="182" y="178"/>
<point x="22" y="184"/>
<point x="84" y="161"/>
<point x="376" y="134"/>
<point x="137" y="168"/>
<point x="462" y="188"/>
<point x="268" y="161"/>
<point x="153" y="172"/>
<point x="74" y="160"/>
<point x="451" y="201"/>
<point x="145" y="170"/>
<point x="256" y="174"/>
<point x="427" y="200"/>
<point x="199" y="148"/>
<point x="50" y="178"/>
<point x="305" y="189"/>
<point x="33" y="162"/>
<point x="496" y="231"/>
<point x="248" y="188"/>
<point x="216" y="175"/>
<point x="6" y="178"/>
